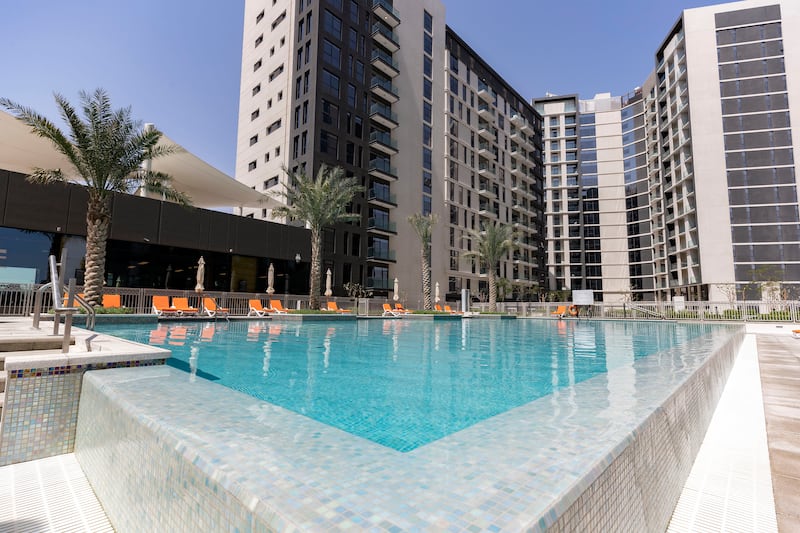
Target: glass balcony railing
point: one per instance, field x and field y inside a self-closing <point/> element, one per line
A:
<point x="380" y="29"/>
<point x="377" y="283"/>
<point x="381" y="224"/>
<point x="383" y="138"/>
<point x="382" y="165"/>
<point x="378" y="54"/>
<point x="383" y="4"/>
<point x="380" y="253"/>
<point x="382" y="195"/>
<point x="384" y="111"/>
<point x="383" y="84"/>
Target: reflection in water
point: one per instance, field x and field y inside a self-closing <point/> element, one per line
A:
<point x="403" y="383"/>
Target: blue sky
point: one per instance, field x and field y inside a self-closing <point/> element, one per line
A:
<point x="177" y="62"/>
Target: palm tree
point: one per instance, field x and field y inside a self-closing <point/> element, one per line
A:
<point x="319" y="202"/>
<point x="491" y="244"/>
<point x="106" y="149"/>
<point x="423" y="227"/>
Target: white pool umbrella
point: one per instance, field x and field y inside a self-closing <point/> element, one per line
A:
<point x="436" y="293"/>
<point x="328" y="289"/>
<point x="270" y="279"/>
<point x="201" y="274"/>
<point x="396" y="290"/>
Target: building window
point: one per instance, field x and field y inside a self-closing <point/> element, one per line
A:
<point x="259" y="40"/>
<point x="330" y="82"/>
<point x="278" y="20"/>
<point x="428" y="22"/>
<point x="351" y="95"/>
<point x="428" y="44"/>
<point x="253" y="140"/>
<point x="275" y="73"/>
<point x="274" y="126"/>
<point x="251" y="165"/>
<point x="259" y="16"/>
<point x="257" y="65"/>
<point x="331" y="54"/>
<point x="254" y="115"/>
<point x="332" y="24"/>
<point x="427" y="89"/>
<point x="256" y="89"/>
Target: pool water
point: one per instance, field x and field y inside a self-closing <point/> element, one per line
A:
<point x="405" y="383"/>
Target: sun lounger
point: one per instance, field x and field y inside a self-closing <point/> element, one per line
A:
<point x="796" y="333"/>
<point x="448" y="309"/>
<point x="162" y="308"/>
<point x="560" y="311"/>
<point x="275" y="306"/>
<point x="183" y="307"/>
<point x="256" y="308"/>
<point x="333" y="306"/>
<point x="211" y="309"/>
<point x="388" y="311"/>
<point x="400" y="309"/>
<point x="438" y="308"/>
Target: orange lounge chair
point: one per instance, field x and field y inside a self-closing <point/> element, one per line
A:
<point x="400" y="309"/>
<point x="450" y="310"/>
<point x="211" y="309"/>
<point x="388" y="311"/>
<point x="111" y="301"/>
<point x="161" y="306"/>
<point x="332" y="306"/>
<point x="561" y="310"/>
<point x="796" y="333"/>
<point x="275" y="306"/>
<point x="183" y="307"/>
<point x="438" y="308"/>
<point x="256" y="308"/>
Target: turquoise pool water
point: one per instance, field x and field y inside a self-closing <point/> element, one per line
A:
<point x="405" y="383"/>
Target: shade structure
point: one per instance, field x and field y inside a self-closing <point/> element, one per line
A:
<point x="396" y="290"/>
<point x="328" y="286"/>
<point x="270" y="279"/>
<point x="201" y="274"/>
<point x="436" y="293"/>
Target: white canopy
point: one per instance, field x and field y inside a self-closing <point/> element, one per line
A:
<point x="209" y="188"/>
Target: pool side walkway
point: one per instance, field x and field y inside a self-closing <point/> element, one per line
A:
<point x="729" y="488"/>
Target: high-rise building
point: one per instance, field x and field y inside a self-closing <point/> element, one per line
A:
<point x="393" y="96"/>
<point x="691" y="176"/>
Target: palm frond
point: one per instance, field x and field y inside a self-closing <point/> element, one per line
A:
<point x="45" y="176"/>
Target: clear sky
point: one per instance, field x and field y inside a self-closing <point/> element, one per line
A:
<point x="177" y="62"/>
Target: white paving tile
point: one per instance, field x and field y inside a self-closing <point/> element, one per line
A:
<point x="729" y="487"/>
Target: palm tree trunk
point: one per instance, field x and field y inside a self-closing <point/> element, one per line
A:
<point x="316" y="263"/>
<point x="98" y="220"/>
<point x="426" y="280"/>
<point x="492" y="289"/>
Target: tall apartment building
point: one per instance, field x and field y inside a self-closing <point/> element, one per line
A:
<point x="392" y="95"/>
<point x="692" y="176"/>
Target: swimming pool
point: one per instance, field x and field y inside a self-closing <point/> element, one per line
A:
<point x="406" y="383"/>
<point x="610" y="452"/>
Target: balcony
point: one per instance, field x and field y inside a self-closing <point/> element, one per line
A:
<point x="517" y="120"/>
<point x="485" y="189"/>
<point x="382" y="114"/>
<point x="385" y="37"/>
<point x="380" y="225"/>
<point x="379" y="283"/>
<point x="386" y="12"/>
<point x="485" y="169"/>
<point x="384" y="90"/>
<point x="381" y="140"/>
<point x="527" y="128"/>
<point x="486" y="112"/>
<point x="485" y="150"/>
<point x="380" y="254"/>
<point x="384" y="63"/>
<point x="515" y="135"/>
<point x="486" y="130"/>
<point x="380" y="168"/>
<point x="485" y="92"/>
<point x="382" y="198"/>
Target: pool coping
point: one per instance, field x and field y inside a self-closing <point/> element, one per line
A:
<point x="452" y="482"/>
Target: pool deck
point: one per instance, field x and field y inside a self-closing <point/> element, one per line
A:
<point x="730" y="486"/>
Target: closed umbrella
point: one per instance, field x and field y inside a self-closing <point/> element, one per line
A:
<point x="201" y="274"/>
<point x="436" y="293"/>
<point x="270" y="279"/>
<point x="328" y="290"/>
<point x="396" y="290"/>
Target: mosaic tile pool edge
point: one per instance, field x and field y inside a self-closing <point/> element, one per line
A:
<point x="210" y="458"/>
<point x="640" y="484"/>
<point x="41" y="409"/>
